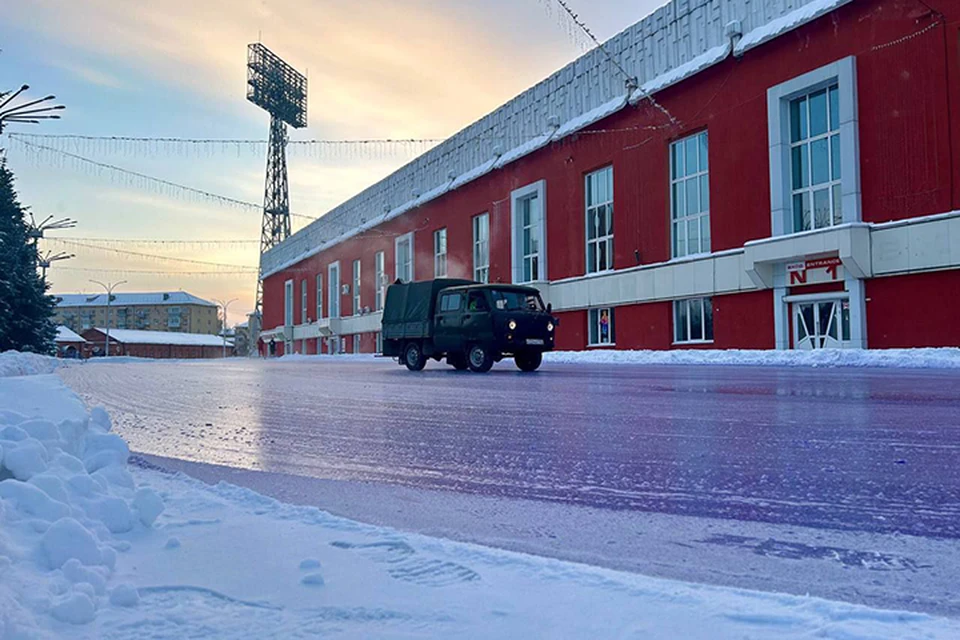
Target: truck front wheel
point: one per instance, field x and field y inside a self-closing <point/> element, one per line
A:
<point x="413" y="357"/>
<point x="529" y="361"/>
<point x="479" y="359"/>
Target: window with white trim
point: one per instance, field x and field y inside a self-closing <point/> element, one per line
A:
<point x="690" y="195"/>
<point x="814" y="149"/>
<point x="319" y="298"/>
<point x="287" y="304"/>
<point x="379" y="342"/>
<point x="529" y="233"/>
<point x="815" y="159"/>
<point x="440" y="253"/>
<point x="303" y="301"/>
<point x="356" y="343"/>
<point x="333" y="290"/>
<point x="600" y="329"/>
<point x="355" y="287"/>
<point x="481" y="247"/>
<point x="599" y="206"/>
<point x="404" y="258"/>
<point x="380" y="279"/>
<point x="693" y="320"/>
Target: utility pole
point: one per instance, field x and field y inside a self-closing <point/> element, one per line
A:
<point x="223" y="327"/>
<point x="109" y="288"/>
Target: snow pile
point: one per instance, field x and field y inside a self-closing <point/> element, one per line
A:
<point x="65" y="495"/>
<point x="938" y="358"/>
<point x="14" y="363"/>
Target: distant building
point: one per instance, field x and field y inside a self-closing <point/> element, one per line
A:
<point x="241" y="339"/>
<point x="175" y="311"/>
<point x="69" y="343"/>
<point x="156" y="344"/>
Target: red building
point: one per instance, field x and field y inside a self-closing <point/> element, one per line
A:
<point x="156" y="344"/>
<point x="779" y="174"/>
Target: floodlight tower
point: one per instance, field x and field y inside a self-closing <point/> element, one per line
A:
<point x="281" y="91"/>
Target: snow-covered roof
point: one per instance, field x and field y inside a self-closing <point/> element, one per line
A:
<point x="135" y="336"/>
<point x="673" y="43"/>
<point x="130" y="299"/>
<point x="65" y="334"/>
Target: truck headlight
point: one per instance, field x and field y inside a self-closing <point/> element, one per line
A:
<point x="549" y="326"/>
<point x="513" y="325"/>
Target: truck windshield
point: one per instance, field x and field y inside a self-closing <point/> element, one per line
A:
<point x="508" y="300"/>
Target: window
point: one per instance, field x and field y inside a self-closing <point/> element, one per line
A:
<point x="693" y="320"/>
<point x="381" y="279"/>
<point x="814" y="150"/>
<point x="509" y="300"/>
<point x="450" y="302"/>
<point x="319" y="298"/>
<point x="477" y="302"/>
<point x="173" y="313"/>
<point x="404" y="258"/>
<point x="303" y="301"/>
<point x="601" y="327"/>
<point x="690" y="196"/>
<point x="287" y="303"/>
<point x="815" y="159"/>
<point x="529" y="246"/>
<point x="481" y="248"/>
<point x="333" y="286"/>
<point x="86" y="319"/>
<point x="379" y="341"/>
<point x="599" y="202"/>
<point x="440" y="253"/>
<point x="356" y="343"/>
<point x="356" y="288"/>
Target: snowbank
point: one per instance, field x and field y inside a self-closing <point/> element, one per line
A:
<point x="940" y="358"/>
<point x="13" y="363"/>
<point x="65" y="494"/>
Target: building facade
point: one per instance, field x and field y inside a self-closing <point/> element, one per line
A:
<point x="176" y="311"/>
<point x="155" y="344"/>
<point x="780" y="174"/>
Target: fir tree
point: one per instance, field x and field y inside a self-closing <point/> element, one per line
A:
<point x="25" y="308"/>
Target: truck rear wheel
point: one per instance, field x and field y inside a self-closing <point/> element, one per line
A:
<point x="529" y="361"/>
<point x="458" y="361"/>
<point x="413" y="357"/>
<point x="479" y="359"/>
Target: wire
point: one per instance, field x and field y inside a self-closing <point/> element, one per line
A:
<point x="146" y="179"/>
<point x="151" y="241"/>
<point x="139" y="272"/>
<point x="71" y="243"/>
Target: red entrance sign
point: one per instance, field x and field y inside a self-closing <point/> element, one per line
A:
<point x="814" y="271"/>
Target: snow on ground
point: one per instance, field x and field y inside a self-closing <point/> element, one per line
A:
<point x="25" y="364"/>
<point x="930" y="358"/>
<point x="933" y="358"/>
<point x="93" y="548"/>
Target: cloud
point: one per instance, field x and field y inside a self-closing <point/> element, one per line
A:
<point x="90" y="74"/>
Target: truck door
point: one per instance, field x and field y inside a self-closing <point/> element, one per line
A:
<point x="446" y="333"/>
<point x="477" y="323"/>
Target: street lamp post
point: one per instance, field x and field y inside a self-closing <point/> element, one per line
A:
<point x="19" y="113"/>
<point x="223" y="327"/>
<point x="109" y="288"/>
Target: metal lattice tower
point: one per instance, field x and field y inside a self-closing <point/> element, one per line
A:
<point x="281" y="91"/>
<point x="276" y="197"/>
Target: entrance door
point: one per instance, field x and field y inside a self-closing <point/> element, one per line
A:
<point x="821" y="325"/>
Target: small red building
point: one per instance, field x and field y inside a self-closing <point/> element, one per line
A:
<point x="70" y="344"/>
<point x="750" y="174"/>
<point x="156" y="344"/>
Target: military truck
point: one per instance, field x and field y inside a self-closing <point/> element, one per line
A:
<point x="470" y="324"/>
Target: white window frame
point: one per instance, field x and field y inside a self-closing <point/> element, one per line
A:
<point x="408" y="238"/>
<point x="379" y="269"/>
<point x="593" y="317"/>
<point x="536" y="190"/>
<point x="319" y="297"/>
<point x="333" y="290"/>
<point x="590" y="217"/>
<point x="356" y="343"/>
<point x="704" y="302"/>
<point x="680" y="220"/>
<point x="355" y="287"/>
<point x="440" y="253"/>
<point x="287" y="304"/>
<point x="303" y="301"/>
<point x="843" y="73"/>
<point x="378" y="339"/>
<point x="481" y="247"/>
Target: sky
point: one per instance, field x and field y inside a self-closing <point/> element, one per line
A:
<point x="376" y="68"/>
